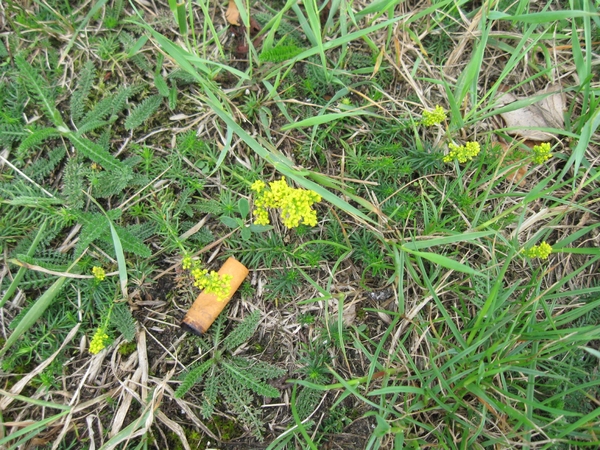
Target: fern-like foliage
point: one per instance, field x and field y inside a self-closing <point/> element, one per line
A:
<point x="38" y="89"/>
<point x="95" y="152"/>
<point x="80" y="95"/>
<point x="242" y="332"/>
<point x="110" y="182"/>
<point x="143" y="111"/>
<point x="123" y="321"/>
<point x="131" y="243"/>
<point x="96" y="226"/>
<point x="48" y="260"/>
<point x="44" y="166"/>
<point x="237" y="380"/>
<point x="11" y="133"/>
<point x="192" y="377"/>
<point x="73" y="183"/>
<point x="35" y="138"/>
<point x="3" y="50"/>
<point x="121" y="97"/>
<point x="280" y="53"/>
<point x="161" y="85"/>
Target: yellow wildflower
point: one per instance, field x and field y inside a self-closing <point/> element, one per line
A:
<point x="430" y="118"/>
<point x="541" y="251"/>
<point x="99" y="273"/>
<point x="295" y="204"/>
<point x="258" y="186"/>
<point x="209" y="282"/>
<point x="213" y="283"/>
<point x="541" y="153"/>
<point x="98" y="342"/>
<point x="462" y="153"/>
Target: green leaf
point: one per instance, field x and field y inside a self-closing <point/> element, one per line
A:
<point x="121" y="264"/>
<point x="161" y="85"/>
<point x="95" y="152"/>
<point x="123" y="320"/>
<point x="94" y="226"/>
<point x="464" y="237"/>
<point x="143" y="111"/>
<point x="39" y="89"/>
<point x="37" y="137"/>
<point x="243" y="207"/>
<point x="325" y="118"/>
<point x="84" y="86"/>
<point x="250" y="382"/>
<point x="260" y="228"/>
<point x="132" y="243"/>
<point x="444" y="261"/>
<point x="35" y="312"/>
<point x="21" y="272"/>
<point x="242" y="332"/>
<point x="229" y="222"/>
<point x="192" y="377"/>
<point x="246" y="233"/>
<point x="592" y="352"/>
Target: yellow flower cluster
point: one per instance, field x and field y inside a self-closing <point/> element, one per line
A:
<point x="210" y="282"/>
<point x="99" y="273"/>
<point x="462" y="153"/>
<point x="186" y="262"/>
<point x="213" y="283"/>
<point x="295" y="204"/>
<point x="98" y="341"/>
<point x="541" y="153"/>
<point x="541" y="251"/>
<point x="430" y="118"/>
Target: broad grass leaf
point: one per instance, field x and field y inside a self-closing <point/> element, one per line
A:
<point x="444" y="261"/>
<point x="35" y="312"/>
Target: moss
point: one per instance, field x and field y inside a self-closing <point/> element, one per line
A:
<point x="225" y="428"/>
<point x="127" y="348"/>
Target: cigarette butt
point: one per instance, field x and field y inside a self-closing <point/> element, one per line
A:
<point x="207" y="308"/>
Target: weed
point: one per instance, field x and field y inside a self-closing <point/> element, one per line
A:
<point x="233" y="378"/>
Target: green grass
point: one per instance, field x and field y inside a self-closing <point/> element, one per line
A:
<point x="409" y="316"/>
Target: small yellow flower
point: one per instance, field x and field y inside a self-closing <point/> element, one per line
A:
<point x="430" y="118"/>
<point x="99" y="273"/>
<point x="209" y="282"/>
<point x="541" y="251"/>
<point x="258" y="186"/>
<point x="541" y="153"/>
<point x="213" y="283"/>
<point x="186" y="262"/>
<point x="295" y="204"/>
<point x="462" y="153"/>
<point x="98" y="342"/>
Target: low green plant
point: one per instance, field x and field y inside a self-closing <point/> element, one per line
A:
<point x="234" y="379"/>
<point x="246" y="231"/>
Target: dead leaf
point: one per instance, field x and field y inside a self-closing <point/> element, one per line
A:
<point x="349" y="315"/>
<point x="545" y="113"/>
<point x="233" y="14"/>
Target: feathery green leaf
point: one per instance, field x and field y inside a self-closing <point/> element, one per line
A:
<point x="143" y="111"/>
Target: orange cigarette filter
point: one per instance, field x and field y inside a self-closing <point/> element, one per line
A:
<point x="207" y="308"/>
